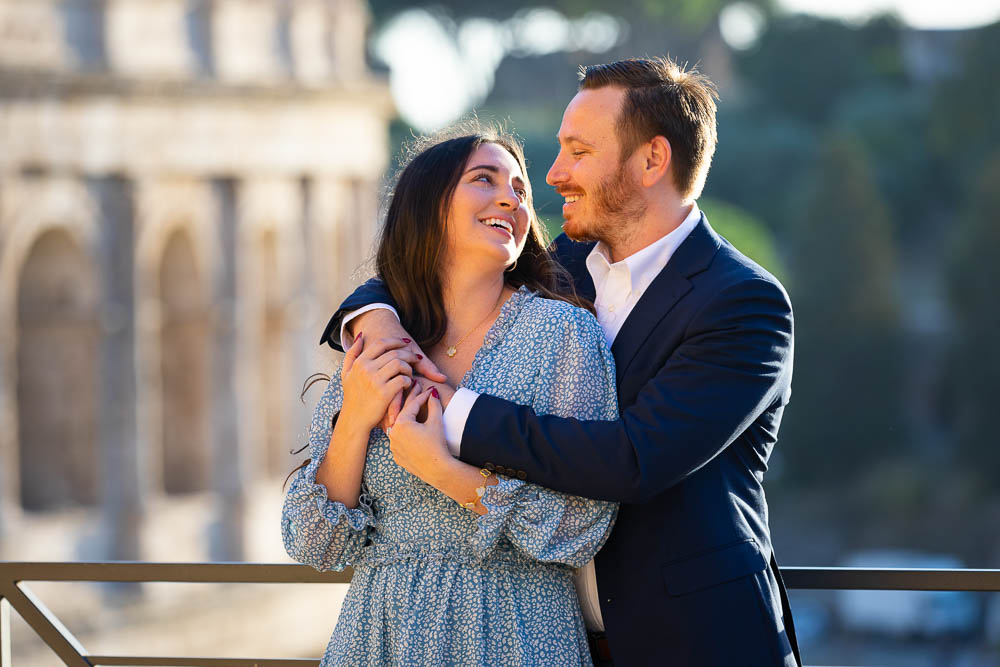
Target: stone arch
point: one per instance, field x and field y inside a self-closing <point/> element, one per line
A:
<point x="58" y="337"/>
<point x="185" y="341"/>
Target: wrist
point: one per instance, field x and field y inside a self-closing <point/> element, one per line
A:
<point x="348" y="426"/>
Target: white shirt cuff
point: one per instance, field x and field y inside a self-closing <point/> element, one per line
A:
<point x="347" y="341"/>
<point x="455" y="416"/>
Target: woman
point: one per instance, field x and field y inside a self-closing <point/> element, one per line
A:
<point x="479" y="569"/>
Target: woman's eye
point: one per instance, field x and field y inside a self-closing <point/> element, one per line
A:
<point x="484" y="177"/>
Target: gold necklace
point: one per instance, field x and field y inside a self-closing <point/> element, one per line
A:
<point x="453" y="349"/>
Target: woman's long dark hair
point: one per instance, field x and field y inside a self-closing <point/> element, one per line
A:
<point x="412" y="244"/>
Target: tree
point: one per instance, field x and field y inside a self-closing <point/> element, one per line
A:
<point x="973" y="279"/>
<point x="845" y="411"/>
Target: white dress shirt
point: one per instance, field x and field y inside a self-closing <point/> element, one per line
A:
<point x="619" y="287"/>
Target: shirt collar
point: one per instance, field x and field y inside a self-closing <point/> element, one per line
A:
<point x="643" y="266"/>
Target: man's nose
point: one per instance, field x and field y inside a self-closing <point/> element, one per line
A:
<point x="557" y="172"/>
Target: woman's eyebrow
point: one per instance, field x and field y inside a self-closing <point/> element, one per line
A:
<point x="487" y="167"/>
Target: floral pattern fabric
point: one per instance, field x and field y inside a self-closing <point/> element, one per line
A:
<point x="437" y="584"/>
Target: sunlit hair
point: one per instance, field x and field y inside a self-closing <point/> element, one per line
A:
<point x="663" y="99"/>
<point x="411" y="248"/>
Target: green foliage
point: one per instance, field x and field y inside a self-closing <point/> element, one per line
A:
<point x="964" y="130"/>
<point x="741" y="229"/>
<point x="803" y="66"/>
<point x="973" y="280"/>
<point x="763" y="159"/>
<point x="845" y="412"/>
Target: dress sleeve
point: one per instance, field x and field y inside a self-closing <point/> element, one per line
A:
<point x="576" y="379"/>
<point x="318" y="531"/>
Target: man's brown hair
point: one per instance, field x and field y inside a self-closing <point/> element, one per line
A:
<point x="663" y="99"/>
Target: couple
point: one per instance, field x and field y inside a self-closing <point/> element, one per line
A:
<point x="461" y="564"/>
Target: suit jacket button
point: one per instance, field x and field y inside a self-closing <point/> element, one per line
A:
<point x="522" y="475"/>
<point x="489" y="466"/>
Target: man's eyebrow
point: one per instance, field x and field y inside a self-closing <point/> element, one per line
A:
<point x="573" y="139"/>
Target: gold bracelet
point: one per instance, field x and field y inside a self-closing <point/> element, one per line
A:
<point x="479" y="490"/>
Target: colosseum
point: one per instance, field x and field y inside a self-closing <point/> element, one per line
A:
<point x="187" y="188"/>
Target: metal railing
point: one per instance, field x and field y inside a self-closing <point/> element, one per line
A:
<point x="15" y="593"/>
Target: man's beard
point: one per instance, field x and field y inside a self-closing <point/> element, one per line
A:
<point x="617" y="207"/>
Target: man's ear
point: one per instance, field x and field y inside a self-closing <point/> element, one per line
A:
<point x="656" y="160"/>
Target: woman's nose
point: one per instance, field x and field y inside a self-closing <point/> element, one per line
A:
<point x="509" y="199"/>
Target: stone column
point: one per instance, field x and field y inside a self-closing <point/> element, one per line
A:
<point x="121" y="486"/>
<point x="306" y="322"/>
<point x="8" y="439"/>
<point x="228" y="460"/>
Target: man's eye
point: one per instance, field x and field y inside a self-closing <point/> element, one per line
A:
<point x="577" y="153"/>
<point x="521" y="192"/>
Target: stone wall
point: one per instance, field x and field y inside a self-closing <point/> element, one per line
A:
<point x="186" y="190"/>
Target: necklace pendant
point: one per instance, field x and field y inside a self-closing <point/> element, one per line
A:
<point x="451" y="351"/>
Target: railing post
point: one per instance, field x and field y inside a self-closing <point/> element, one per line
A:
<point x="48" y="627"/>
<point x="4" y="632"/>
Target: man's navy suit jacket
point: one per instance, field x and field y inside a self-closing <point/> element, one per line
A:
<point x="704" y="367"/>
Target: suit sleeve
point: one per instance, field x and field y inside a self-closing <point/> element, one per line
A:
<point x="372" y="291"/>
<point x="734" y="362"/>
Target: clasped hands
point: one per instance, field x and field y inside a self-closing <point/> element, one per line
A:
<point x="389" y="383"/>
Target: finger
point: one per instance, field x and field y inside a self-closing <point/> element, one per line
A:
<point x="434" y="409"/>
<point x="392" y="369"/>
<point x="392" y="411"/>
<point x="403" y="354"/>
<point x="427" y="368"/>
<point x="413" y="404"/>
<point x="377" y="348"/>
<point x="353" y="351"/>
<point x="397" y="384"/>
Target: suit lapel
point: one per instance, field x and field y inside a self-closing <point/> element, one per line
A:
<point x="691" y="257"/>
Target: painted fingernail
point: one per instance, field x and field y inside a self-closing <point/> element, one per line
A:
<point x="360" y="334"/>
<point x="434" y="392"/>
<point x="407" y="340"/>
<point x="420" y="356"/>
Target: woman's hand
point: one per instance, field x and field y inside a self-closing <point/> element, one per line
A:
<point x="372" y="376"/>
<point x="419" y="447"/>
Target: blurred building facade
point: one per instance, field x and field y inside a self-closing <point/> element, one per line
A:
<point x="186" y="188"/>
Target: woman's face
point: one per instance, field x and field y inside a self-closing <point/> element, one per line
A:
<point x="488" y="219"/>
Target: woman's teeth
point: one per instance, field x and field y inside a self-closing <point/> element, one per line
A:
<point x="497" y="222"/>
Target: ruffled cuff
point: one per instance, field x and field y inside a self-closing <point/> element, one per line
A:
<point x="518" y="509"/>
<point x="547" y="525"/>
<point x="358" y="518"/>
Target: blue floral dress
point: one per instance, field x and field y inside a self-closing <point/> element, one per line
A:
<point x="437" y="584"/>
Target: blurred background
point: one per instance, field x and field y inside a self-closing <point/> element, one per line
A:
<point x="189" y="187"/>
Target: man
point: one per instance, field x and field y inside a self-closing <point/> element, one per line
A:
<point x="702" y="340"/>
